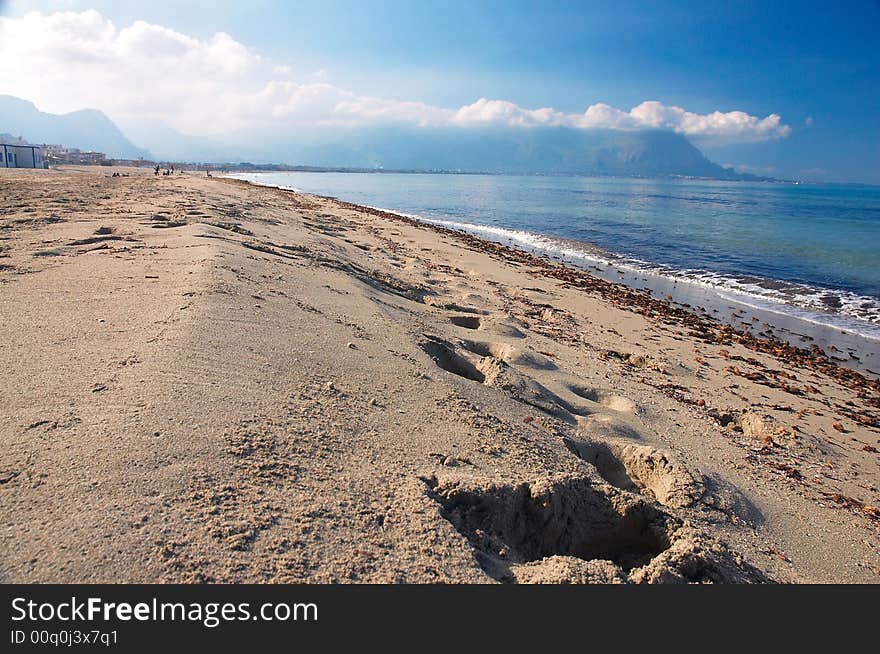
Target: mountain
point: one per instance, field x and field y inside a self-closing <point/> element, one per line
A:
<point x="87" y="129"/>
<point x="167" y="144"/>
<point x="552" y="150"/>
<point x="539" y="150"/>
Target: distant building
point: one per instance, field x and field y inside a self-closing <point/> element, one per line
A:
<point x="20" y="155"/>
<point x="58" y="154"/>
<point x="91" y="158"/>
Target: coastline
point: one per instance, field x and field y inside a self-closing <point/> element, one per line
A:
<point x="710" y="291"/>
<point x="841" y="322"/>
<point x="784" y="343"/>
<point x="269" y="386"/>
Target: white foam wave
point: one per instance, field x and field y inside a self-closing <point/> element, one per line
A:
<point x="855" y="313"/>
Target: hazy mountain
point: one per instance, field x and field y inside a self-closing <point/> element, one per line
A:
<point x="88" y="129"/>
<point x="535" y="150"/>
<point x="167" y="144"/>
<point x="647" y="153"/>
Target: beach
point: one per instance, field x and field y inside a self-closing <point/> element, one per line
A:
<point x="206" y="380"/>
<point x="782" y="260"/>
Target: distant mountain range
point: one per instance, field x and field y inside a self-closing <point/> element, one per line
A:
<point x="88" y="129"/>
<point x="551" y="150"/>
<point x="554" y="150"/>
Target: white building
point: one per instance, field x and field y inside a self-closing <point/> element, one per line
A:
<point x="17" y="155"/>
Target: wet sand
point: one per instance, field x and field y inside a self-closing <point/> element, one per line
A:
<point x="205" y="380"/>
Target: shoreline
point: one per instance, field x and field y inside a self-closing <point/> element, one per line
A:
<point x="634" y="299"/>
<point x="213" y="381"/>
<point x="851" y="341"/>
<point x="640" y="274"/>
<point x="702" y="327"/>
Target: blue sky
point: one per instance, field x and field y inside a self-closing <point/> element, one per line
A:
<point x="815" y="65"/>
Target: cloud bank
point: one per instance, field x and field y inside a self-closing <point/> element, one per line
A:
<point x="71" y="60"/>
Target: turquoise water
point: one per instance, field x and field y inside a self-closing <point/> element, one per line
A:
<point x="808" y="250"/>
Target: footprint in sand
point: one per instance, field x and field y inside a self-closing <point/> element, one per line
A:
<point x="466" y="322"/>
<point x="495" y="325"/>
<point x="445" y="356"/>
<point x="511" y="354"/>
<point x="511" y="524"/>
<point x="567" y="528"/>
<point x="492" y="370"/>
<point x="640" y="469"/>
<point x="604" y="398"/>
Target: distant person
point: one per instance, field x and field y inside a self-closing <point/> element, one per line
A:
<point x="156" y="170"/>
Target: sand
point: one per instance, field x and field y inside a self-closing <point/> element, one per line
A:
<point x="209" y="381"/>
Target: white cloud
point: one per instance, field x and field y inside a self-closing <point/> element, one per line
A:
<point x="493" y="112"/>
<point x="70" y="60"/>
<point x="732" y="126"/>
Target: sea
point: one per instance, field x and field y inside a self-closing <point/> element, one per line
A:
<point x="797" y="261"/>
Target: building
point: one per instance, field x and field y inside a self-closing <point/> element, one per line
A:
<point x="59" y="154"/>
<point x="20" y="155"/>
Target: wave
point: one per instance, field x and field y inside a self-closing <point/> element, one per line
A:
<point x="835" y="308"/>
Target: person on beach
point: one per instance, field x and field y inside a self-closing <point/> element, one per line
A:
<point x="156" y="170"/>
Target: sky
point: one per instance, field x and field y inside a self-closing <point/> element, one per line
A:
<point x="787" y="89"/>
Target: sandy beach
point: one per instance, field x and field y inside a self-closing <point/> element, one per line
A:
<point x="205" y="380"/>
